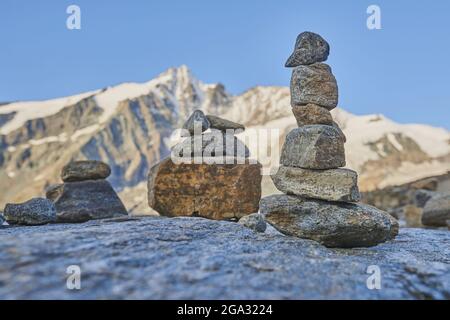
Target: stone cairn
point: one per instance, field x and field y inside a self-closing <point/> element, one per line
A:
<point x="215" y="179"/>
<point x="319" y="200"/>
<point x="85" y="194"/>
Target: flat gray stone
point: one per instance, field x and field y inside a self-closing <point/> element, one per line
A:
<point x="196" y="122"/>
<point x="254" y="221"/>
<point x="85" y="200"/>
<point x="333" y="224"/>
<point x="36" y="211"/>
<point x="437" y="211"/>
<point x="314" y="147"/>
<point x="331" y="185"/>
<point x="211" y="144"/>
<point x="85" y="170"/>
<point x="194" y="258"/>
<point x="314" y="84"/>
<point x="309" y="48"/>
<point x="224" y="124"/>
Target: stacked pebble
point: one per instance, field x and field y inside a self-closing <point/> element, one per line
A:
<point x="319" y="194"/>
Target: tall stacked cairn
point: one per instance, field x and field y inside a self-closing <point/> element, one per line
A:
<point x="214" y="178"/>
<point x="320" y="197"/>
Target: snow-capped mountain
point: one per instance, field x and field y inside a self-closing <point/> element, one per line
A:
<point x="130" y="126"/>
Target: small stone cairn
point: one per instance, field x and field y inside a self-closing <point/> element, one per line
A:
<point x="208" y="174"/>
<point x="319" y="200"/>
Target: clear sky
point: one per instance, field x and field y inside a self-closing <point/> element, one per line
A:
<point x="402" y="70"/>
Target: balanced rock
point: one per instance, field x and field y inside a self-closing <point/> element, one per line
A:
<point x="37" y="211"/>
<point x="197" y="119"/>
<point x="437" y="211"/>
<point x="212" y="144"/>
<point x="85" y="200"/>
<point x="309" y="48"/>
<point x="331" y="185"/>
<point x="224" y="124"/>
<point x="314" y="84"/>
<point x="217" y="191"/>
<point x="344" y="225"/>
<point x="313" y="147"/>
<point x="254" y="221"/>
<point x="312" y="114"/>
<point x="85" y="170"/>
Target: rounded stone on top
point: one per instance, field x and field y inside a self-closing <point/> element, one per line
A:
<point x="224" y="124"/>
<point x="196" y="122"/>
<point x="85" y="170"/>
<point x="309" y="48"/>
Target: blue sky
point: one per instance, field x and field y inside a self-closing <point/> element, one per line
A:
<point x="402" y="71"/>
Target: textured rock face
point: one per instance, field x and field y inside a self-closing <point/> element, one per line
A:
<point x="197" y="118"/>
<point x="331" y="224"/>
<point x="313" y="147"/>
<point x="312" y="114"/>
<point x="309" y="48"/>
<point x="36" y="211"/>
<point x="208" y="143"/>
<point x="437" y="211"/>
<point x="254" y="221"/>
<point x="86" y="200"/>
<point x="314" y="84"/>
<point x="193" y="258"/>
<point x="223" y="124"/>
<point x="54" y="191"/>
<point x="217" y="191"/>
<point x="85" y="170"/>
<point x="331" y="185"/>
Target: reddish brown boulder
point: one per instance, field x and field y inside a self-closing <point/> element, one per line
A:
<point x="214" y="191"/>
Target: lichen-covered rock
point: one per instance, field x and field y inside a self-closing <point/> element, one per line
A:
<point x="313" y="147"/>
<point x="85" y="170"/>
<point x="196" y="122"/>
<point x="85" y="200"/>
<point x="214" y="191"/>
<point x="333" y="224"/>
<point x="331" y="185"/>
<point x="194" y="258"/>
<point x="312" y="114"/>
<point x="224" y="124"/>
<point x="254" y="221"/>
<point x="437" y="211"/>
<point x="211" y="144"/>
<point x="314" y="84"/>
<point x="36" y="211"/>
<point x="309" y="48"/>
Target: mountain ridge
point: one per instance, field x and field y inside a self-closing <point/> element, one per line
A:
<point x="130" y="126"/>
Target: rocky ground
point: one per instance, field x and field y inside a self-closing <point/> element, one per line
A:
<point x="195" y="258"/>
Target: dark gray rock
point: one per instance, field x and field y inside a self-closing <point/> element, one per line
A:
<point x="254" y="221"/>
<point x="314" y="84"/>
<point x="313" y="147"/>
<point x="198" y="119"/>
<point x="309" y="48"/>
<point x="224" y="124"/>
<point x="437" y="211"/>
<point x="208" y="143"/>
<point x="36" y="211"/>
<point x="421" y="197"/>
<point x="86" y="200"/>
<point x="331" y="185"/>
<point x="333" y="224"/>
<point x="193" y="258"/>
<point x="85" y="170"/>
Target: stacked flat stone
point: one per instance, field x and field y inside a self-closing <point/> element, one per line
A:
<point x="320" y="196"/>
<point x="222" y="185"/>
<point x="85" y="194"/>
